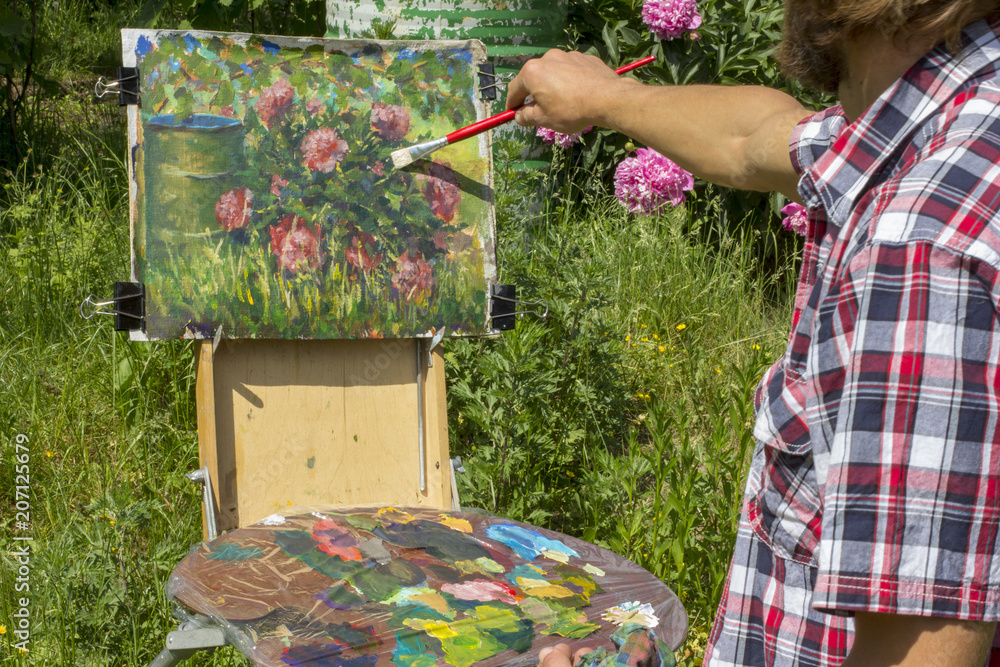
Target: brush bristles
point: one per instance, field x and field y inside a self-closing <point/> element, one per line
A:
<point x="404" y="157"/>
<point x="401" y="158"/>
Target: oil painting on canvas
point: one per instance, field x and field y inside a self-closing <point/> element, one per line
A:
<point x="264" y="197"/>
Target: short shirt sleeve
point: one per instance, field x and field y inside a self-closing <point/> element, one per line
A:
<point x="814" y="135"/>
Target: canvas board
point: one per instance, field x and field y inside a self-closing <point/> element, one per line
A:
<point x="263" y="198"/>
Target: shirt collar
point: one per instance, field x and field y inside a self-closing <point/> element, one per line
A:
<point x="862" y="149"/>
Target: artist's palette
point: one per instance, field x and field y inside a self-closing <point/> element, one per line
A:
<point x="414" y="588"/>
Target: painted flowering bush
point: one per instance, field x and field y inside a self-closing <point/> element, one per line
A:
<point x="648" y="182"/>
<point x="296" y="245"/>
<point x="413" y="278"/>
<point x="390" y="121"/>
<point x="233" y="209"/>
<point x="316" y="219"/>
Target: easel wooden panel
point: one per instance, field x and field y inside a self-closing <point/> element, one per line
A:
<point x="286" y="423"/>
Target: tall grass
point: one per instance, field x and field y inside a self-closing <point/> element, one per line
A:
<point x="623" y="417"/>
<point x="109" y="425"/>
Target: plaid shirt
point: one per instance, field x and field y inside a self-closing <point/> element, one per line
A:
<point x="876" y="482"/>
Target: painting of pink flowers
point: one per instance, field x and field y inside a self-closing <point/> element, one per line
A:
<point x="264" y="198"/>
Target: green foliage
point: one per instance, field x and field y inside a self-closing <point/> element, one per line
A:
<point x="271" y="17"/>
<point x="734" y="45"/>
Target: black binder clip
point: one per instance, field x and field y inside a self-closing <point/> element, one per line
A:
<point x="126" y="85"/>
<point x="487" y="82"/>
<point x="504" y="304"/>
<point x="128" y="306"/>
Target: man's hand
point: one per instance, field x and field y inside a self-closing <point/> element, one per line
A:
<point x="567" y="91"/>
<point x="916" y="641"/>
<point x="731" y="135"/>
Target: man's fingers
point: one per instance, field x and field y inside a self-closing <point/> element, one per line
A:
<point x="527" y="115"/>
<point x="579" y="653"/>
<point x="555" y="656"/>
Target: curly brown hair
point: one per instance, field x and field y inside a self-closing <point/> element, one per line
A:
<point x="815" y="30"/>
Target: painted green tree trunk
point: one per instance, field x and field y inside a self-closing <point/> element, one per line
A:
<point x="189" y="164"/>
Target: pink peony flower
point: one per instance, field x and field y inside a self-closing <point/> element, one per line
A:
<point x="390" y="121"/>
<point x="274" y="102"/>
<point x="378" y="168"/>
<point x="233" y="209"/>
<point x="322" y="149"/>
<point x="545" y="134"/>
<point x="360" y="252"/>
<point x="296" y="246"/>
<point x="314" y="106"/>
<point x="277" y="182"/>
<point x="670" y="18"/>
<point x="558" y="138"/>
<point x="648" y="181"/>
<point x="441" y="191"/>
<point x="333" y="540"/>
<point x="413" y="278"/>
<point x="795" y="219"/>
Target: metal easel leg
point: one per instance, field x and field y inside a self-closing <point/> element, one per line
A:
<point x="185" y="641"/>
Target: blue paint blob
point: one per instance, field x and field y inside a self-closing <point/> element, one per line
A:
<point x="174" y="63"/>
<point x="246" y="68"/>
<point x="143" y="46"/>
<point x="191" y="44"/>
<point x="306" y="655"/>
<point x="526" y="543"/>
<point x="524" y="572"/>
<point x="407" y="54"/>
<point x="271" y="48"/>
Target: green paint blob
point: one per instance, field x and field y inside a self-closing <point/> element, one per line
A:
<point x="233" y="552"/>
<point x="412" y="651"/>
<point x="311" y="462"/>
<point x="362" y="521"/>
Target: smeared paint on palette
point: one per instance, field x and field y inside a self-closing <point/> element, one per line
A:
<point x="412" y="588"/>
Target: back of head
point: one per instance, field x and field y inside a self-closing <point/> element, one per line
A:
<point x="815" y="31"/>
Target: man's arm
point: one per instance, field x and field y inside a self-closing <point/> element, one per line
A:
<point x="881" y="640"/>
<point x="915" y="641"/>
<point x="731" y="135"/>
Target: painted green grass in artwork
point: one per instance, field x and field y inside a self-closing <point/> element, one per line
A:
<point x="268" y="304"/>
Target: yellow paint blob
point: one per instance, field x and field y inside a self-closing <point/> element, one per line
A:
<point x="394" y="515"/>
<point x="556" y="555"/>
<point x="436" y="629"/>
<point x="454" y="523"/>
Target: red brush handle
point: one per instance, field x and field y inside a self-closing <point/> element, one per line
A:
<point x="508" y="115"/>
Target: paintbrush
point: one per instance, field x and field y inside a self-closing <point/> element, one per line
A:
<point x="406" y="156"/>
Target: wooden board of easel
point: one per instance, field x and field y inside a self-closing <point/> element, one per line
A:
<point x="289" y="423"/>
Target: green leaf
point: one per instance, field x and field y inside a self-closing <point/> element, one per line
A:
<point x="149" y="13"/>
<point x="629" y="36"/>
<point x="611" y="41"/>
<point x="14" y="26"/>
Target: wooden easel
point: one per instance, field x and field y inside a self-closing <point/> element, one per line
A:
<point x="287" y="423"/>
